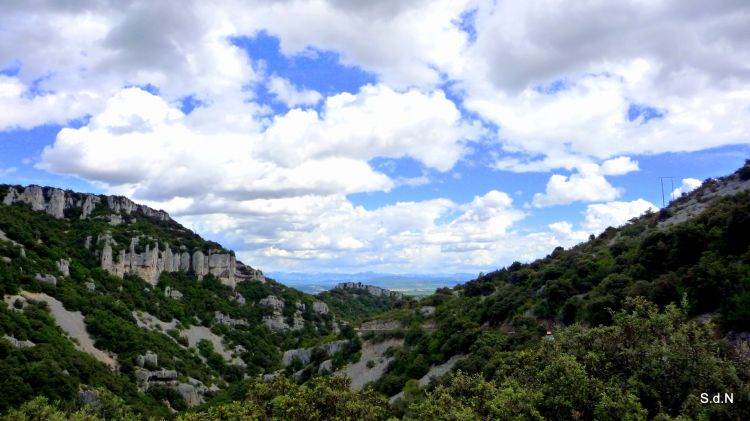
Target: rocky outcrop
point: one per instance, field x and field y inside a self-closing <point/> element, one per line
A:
<point x="372" y="290"/>
<point x="148" y="359"/>
<point x="239" y="299"/>
<point x="222" y="318"/>
<point x="191" y="394"/>
<point x="88" y="205"/>
<point x="56" y="201"/>
<point x="64" y="267"/>
<point x="121" y="204"/>
<point x="276" y="320"/>
<point x="172" y="293"/>
<point x="304" y="355"/>
<point x="46" y="279"/>
<point x="320" y="307"/>
<point x="246" y="273"/>
<point x="435" y="372"/>
<point x="325" y="367"/>
<point x="18" y="343"/>
<point x="145" y="376"/>
<point x="150" y="263"/>
<point x="272" y="302"/>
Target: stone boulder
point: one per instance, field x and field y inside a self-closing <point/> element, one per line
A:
<point x="325" y="367"/>
<point x="64" y="267"/>
<point x="149" y="358"/>
<point x="47" y="279"/>
<point x="320" y="307"/>
<point x="272" y="302"/>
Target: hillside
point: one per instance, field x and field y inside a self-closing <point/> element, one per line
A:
<point x="639" y="322"/>
<point x="356" y="302"/>
<point x="102" y="293"/>
<point x="694" y="253"/>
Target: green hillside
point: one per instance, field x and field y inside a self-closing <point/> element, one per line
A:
<point x="645" y="321"/>
<point x="183" y="317"/>
<point x="355" y="302"/>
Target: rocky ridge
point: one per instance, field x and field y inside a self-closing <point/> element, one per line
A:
<point x="373" y="290"/>
<point x="56" y="201"/>
<point x="147" y="264"/>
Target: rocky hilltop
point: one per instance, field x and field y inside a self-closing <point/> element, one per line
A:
<point x="370" y="289"/>
<point x="149" y="263"/>
<point x="56" y="201"/>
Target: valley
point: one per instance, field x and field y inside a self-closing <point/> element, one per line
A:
<point x="113" y="310"/>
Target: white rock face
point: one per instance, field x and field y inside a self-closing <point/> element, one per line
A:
<point x="185" y="261"/>
<point x="272" y="302"/>
<point x="320" y="307"/>
<point x="325" y="367"/>
<point x="298" y="323"/>
<point x="199" y="263"/>
<point x="305" y="354"/>
<point x="64" y="267"/>
<point x="172" y="293"/>
<point x="47" y="279"/>
<point x="56" y="205"/>
<point x="152" y="262"/>
<point x="88" y="205"/>
<point x="222" y="318"/>
<point x="56" y="201"/>
<point x="149" y="358"/>
<point x="19" y="343"/>
<point x="275" y="321"/>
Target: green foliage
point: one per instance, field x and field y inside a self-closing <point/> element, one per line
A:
<point x="55" y="369"/>
<point x="646" y="364"/>
<point x="356" y="305"/>
<point x="326" y="398"/>
<point x="620" y="350"/>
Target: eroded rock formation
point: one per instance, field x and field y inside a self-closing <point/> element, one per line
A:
<point x="154" y="260"/>
<point x="56" y="201"/>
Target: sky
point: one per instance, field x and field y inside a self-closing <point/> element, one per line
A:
<point x="399" y="136"/>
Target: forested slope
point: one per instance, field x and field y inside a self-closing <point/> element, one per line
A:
<point x="77" y="314"/>
<point x="644" y="321"/>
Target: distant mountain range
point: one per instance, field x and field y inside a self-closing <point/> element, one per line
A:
<point x="412" y="284"/>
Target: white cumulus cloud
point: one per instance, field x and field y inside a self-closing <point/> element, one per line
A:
<point x="290" y="95"/>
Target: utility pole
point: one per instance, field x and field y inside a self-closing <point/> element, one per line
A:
<point x="671" y="182"/>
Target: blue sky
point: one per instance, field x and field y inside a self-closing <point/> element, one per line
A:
<point x="318" y="137"/>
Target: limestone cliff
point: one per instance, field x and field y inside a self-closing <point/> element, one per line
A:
<point x="148" y="262"/>
<point x="154" y="260"/>
<point x="56" y="201"/>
